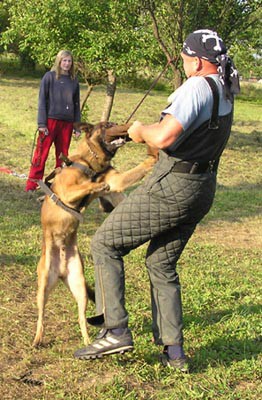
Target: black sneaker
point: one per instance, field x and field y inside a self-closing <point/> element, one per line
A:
<point x="180" y="364"/>
<point x="106" y="343"/>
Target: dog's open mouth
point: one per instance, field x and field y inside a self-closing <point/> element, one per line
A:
<point x="118" y="142"/>
<point x="113" y="145"/>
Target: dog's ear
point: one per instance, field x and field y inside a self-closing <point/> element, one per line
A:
<point x="86" y="127"/>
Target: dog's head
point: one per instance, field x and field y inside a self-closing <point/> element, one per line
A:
<point x="109" y="135"/>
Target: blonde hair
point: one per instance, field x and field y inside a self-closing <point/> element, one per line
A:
<point x="56" y="67"/>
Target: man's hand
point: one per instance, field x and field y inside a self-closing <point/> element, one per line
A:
<point x="134" y="132"/>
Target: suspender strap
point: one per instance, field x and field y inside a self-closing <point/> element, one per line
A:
<point x="213" y="123"/>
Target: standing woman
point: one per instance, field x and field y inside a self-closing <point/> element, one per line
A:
<point x="58" y="110"/>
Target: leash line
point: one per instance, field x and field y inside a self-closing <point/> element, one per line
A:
<point x="33" y="146"/>
<point x="12" y="173"/>
<point x="149" y="90"/>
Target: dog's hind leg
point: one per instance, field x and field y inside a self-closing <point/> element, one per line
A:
<point x="75" y="280"/>
<point x="47" y="278"/>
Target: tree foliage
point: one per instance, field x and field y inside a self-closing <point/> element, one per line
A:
<point x="122" y="36"/>
<point x="172" y="20"/>
<point x="115" y="37"/>
<point x="247" y="48"/>
<point x="104" y="36"/>
<point x="101" y="34"/>
<point x="3" y="20"/>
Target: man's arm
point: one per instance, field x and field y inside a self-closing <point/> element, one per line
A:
<point x="159" y="135"/>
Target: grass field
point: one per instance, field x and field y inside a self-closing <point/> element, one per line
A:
<point x="220" y="271"/>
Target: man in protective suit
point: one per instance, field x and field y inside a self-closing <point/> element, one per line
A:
<point x="191" y="136"/>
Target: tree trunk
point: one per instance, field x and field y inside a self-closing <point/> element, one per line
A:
<point x="177" y="77"/>
<point x="88" y="92"/>
<point x="110" y="93"/>
<point x="26" y="62"/>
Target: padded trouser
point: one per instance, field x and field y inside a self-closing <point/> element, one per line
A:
<point x="165" y="212"/>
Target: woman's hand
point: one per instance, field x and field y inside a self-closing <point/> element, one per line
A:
<point x="76" y="133"/>
<point x="44" y="130"/>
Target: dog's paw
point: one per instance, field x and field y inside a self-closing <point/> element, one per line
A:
<point x="149" y="162"/>
<point x="102" y="187"/>
<point x="153" y="152"/>
<point x="37" y="342"/>
<point x="106" y="188"/>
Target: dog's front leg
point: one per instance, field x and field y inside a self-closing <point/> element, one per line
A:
<point x="121" y="181"/>
<point x="77" y="192"/>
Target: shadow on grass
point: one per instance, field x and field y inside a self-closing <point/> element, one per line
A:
<point x="221" y="352"/>
<point x="224" y="351"/>
<point x="222" y="315"/>
<point x="22" y="81"/>
<point x="242" y="140"/>
<point x="7" y="260"/>
<point x="227" y="348"/>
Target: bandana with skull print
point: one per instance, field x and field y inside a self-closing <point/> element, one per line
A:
<point x="206" y="44"/>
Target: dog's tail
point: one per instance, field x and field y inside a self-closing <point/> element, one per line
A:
<point x="90" y="293"/>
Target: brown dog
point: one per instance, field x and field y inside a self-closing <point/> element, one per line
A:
<point x="89" y="175"/>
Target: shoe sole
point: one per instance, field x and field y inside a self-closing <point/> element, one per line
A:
<point x="121" y="350"/>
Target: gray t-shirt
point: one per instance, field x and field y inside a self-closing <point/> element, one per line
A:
<point x="191" y="104"/>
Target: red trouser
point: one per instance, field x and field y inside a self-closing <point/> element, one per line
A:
<point x="60" y="133"/>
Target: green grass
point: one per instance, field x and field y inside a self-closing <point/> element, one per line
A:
<point x="251" y="93"/>
<point x="220" y="272"/>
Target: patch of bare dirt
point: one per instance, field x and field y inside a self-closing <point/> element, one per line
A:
<point x="246" y="234"/>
